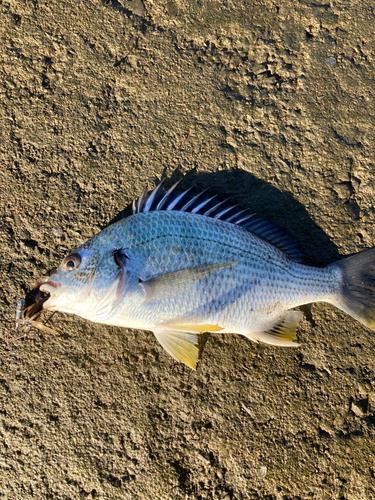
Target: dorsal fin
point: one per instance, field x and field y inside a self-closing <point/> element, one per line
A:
<point x="211" y="206"/>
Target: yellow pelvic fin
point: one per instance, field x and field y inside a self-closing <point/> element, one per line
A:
<point x="169" y="284"/>
<point x="283" y="333"/>
<point x="181" y="346"/>
<point x="192" y="327"/>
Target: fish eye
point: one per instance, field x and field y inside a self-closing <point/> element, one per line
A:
<point x="71" y="262"/>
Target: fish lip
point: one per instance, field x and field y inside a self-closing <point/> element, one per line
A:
<point x="49" y="287"/>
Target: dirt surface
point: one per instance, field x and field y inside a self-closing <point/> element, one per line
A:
<point x="270" y="103"/>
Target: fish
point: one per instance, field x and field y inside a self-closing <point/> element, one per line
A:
<point x="185" y="263"/>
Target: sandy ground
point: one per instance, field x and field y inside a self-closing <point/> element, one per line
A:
<point x="270" y="103"/>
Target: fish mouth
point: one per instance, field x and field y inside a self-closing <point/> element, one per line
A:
<point x="51" y="288"/>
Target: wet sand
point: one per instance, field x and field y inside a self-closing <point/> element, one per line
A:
<point x="268" y="103"/>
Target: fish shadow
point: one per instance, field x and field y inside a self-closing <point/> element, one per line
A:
<point x="263" y="200"/>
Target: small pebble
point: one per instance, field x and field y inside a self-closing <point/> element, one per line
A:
<point x="357" y="410"/>
<point x="57" y="231"/>
<point x="262" y="471"/>
<point x="331" y="61"/>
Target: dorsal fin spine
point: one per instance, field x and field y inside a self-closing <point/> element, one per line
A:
<point x="190" y="204"/>
<point x="142" y="199"/>
<point x="199" y="207"/>
<point x="235" y="216"/>
<point x="172" y="205"/>
<point x="214" y="208"/>
<point x="221" y="214"/>
<point x="167" y="195"/>
<point x="152" y="197"/>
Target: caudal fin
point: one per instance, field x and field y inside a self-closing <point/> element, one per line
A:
<point x="357" y="296"/>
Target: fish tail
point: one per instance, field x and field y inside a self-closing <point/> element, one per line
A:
<point x="357" y="288"/>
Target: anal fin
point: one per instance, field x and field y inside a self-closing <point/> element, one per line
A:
<point x="283" y="333"/>
<point x="180" y="345"/>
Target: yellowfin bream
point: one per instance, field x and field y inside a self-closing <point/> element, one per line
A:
<point x="184" y="264"/>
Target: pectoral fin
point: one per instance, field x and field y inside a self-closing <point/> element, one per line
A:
<point x="114" y="295"/>
<point x="104" y="306"/>
<point x="169" y="284"/>
<point x="181" y="346"/>
<point x="283" y="333"/>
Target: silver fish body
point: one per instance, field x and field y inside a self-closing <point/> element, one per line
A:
<point x="179" y="273"/>
<point x="257" y="286"/>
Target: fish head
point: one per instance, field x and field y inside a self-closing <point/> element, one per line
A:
<point x="86" y="282"/>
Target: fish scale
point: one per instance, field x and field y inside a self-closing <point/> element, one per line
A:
<point x="184" y="264"/>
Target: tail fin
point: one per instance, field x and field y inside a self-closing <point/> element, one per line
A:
<point x="357" y="296"/>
